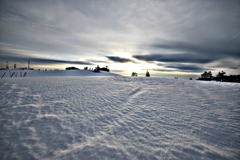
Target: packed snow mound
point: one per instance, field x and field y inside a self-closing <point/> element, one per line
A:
<point x="39" y="73"/>
<point x="118" y="118"/>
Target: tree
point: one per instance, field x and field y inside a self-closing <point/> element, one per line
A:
<point x="221" y="74"/>
<point x="204" y="75"/>
<point x="209" y="75"/>
<point x="134" y="74"/>
<point x="147" y="74"/>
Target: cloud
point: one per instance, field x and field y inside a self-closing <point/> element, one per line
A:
<point x="180" y="68"/>
<point x="227" y="63"/>
<point x="216" y="50"/>
<point x="21" y="59"/>
<point x="189" y="68"/>
<point x="164" y="70"/>
<point x="183" y="52"/>
<point x="54" y="61"/>
<point x="181" y="57"/>
<point x="119" y="59"/>
<point x="118" y="71"/>
<point x="192" y="31"/>
<point x="96" y="61"/>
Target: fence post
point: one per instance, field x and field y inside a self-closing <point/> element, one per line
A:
<point x="12" y="74"/>
<point x="3" y="75"/>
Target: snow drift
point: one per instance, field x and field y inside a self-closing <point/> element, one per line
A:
<point x="118" y="117"/>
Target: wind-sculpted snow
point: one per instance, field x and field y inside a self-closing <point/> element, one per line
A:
<point x="118" y="118"/>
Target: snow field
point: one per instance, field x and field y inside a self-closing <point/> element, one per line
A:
<point x="18" y="73"/>
<point x="118" y="118"/>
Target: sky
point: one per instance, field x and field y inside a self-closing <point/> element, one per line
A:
<point x="169" y="38"/>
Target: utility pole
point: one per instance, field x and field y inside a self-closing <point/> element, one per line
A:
<point x="7" y="65"/>
<point x="28" y="64"/>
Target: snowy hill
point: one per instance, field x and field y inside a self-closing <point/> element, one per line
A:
<point x="117" y="117"/>
<point x="40" y="73"/>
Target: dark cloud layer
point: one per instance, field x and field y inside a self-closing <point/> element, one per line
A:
<point x="181" y="58"/>
<point x="119" y="59"/>
<point x="190" y="68"/>
<point x="54" y="61"/>
<point x="42" y="60"/>
<point x="180" y="67"/>
<point x="183" y="52"/>
<point x="164" y="70"/>
<point x="217" y="50"/>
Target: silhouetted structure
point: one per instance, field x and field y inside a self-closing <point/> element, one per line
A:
<point x="231" y="78"/>
<point x="97" y="69"/>
<point x="207" y="76"/>
<point x="7" y="65"/>
<point x="147" y="74"/>
<point x="104" y="69"/>
<point x="134" y="74"/>
<point x="29" y="66"/>
<point x="72" y="68"/>
<point x="221" y="74"/>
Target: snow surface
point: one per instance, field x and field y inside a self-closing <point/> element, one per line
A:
<point x="115" y="117"/>
<point x="40" y="73"/>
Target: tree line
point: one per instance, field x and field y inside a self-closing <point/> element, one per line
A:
<point x="221" y="76"/>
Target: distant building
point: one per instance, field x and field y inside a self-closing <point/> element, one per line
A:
<point x="72" y="68"/>
<point x="97" y="69"/>
<point x="104" y="69"/>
